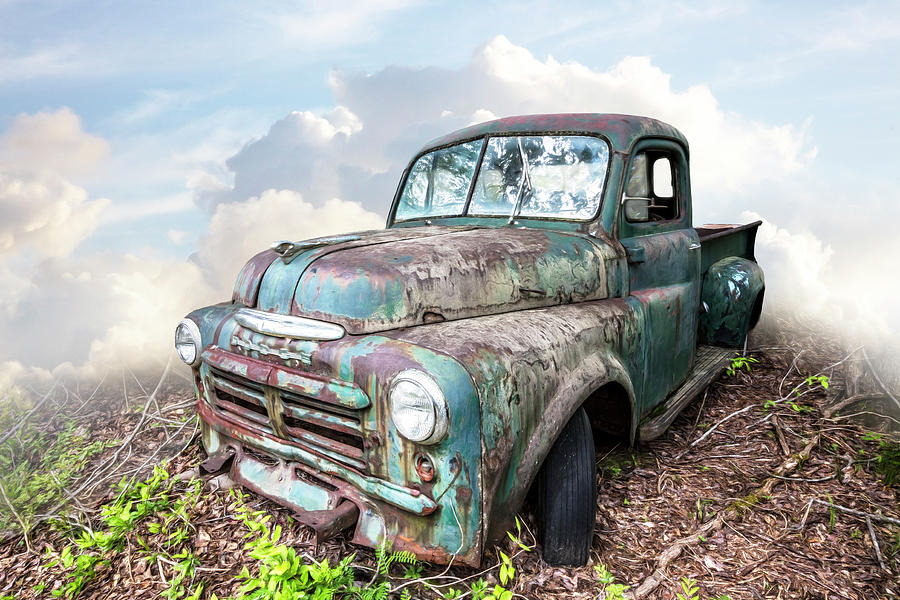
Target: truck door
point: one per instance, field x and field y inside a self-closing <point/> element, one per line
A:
<point x="663" y="252"/>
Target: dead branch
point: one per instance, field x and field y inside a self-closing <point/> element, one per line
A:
<point x="713" y="428"/>
<point x="33" y="410"/>
<point x="779" y="435"/>
<point x="674" y="551"/>
<point x="878" y="380"/>
<point x="875" y="543"/>
<point x="18" y="518"/>
<point x="833" y="410"/>
<point x="849" y="511"/>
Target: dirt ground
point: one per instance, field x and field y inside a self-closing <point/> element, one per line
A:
<point x="742" y="512"/>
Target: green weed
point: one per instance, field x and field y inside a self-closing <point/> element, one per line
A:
<point x="739" y="363"/>
<point x="151" y="504"/>
<point x="37" y="467"/>
<point x="611" y="589"/>
<point x="689" y="590"/>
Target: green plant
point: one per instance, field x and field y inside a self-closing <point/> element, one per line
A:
<point x="814" y="380"/>
<point x="517" y="538"/>
<point x="80" y="570"/>
<point x="703" y="511"/>
<point x="887" y="460"/>
<point x="738" y="363"/>
<point x="611" y="589"/>
<point x="507" y="571"/>
<point x="36" y="466"/>
<point x="478" y="589"/>
<point x="499" y="593"/>
<point x="413" y="571"/>
<point x="136" y="504"/>
<point x="800" y="408"/>
<point x="279" y="573"/>
<point x="385" y="558"/>
<point x="689" y="590"/>
<point x="832" y="514"/>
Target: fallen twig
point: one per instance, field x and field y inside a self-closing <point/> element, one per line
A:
<point x="779" y="435"/>
<point x="33" y="410"/>
<point x="875" y="543"/>
<point x="674" y="550"/>
<point x="18" y="518"/>
<point x="878" y="379"/>
<point x="713" y="428"/>
<point x="849" y="511"/>
<point x="832" y="410"/>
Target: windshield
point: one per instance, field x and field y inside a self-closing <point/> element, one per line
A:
<point x="550" y="176"/>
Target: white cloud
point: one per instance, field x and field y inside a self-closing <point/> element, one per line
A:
<point x="302" y="152"/>
<point x="50" y="61"/>
<point x="45" y="213"/>
<point x="52" y="141"/>
<point x="358" y="150"/>
<point x="737" y="163"/>
<point x="177" y="236"/>
<point x="853" y="29"/>
<point x="240" y="230"/>
<point x="123" y="212"/>
<point x="317" y="174"/>
<point x="319" y="24"/>
<point x="10" y="371"/>
<point x="798" y="268"/>
<point x="104" y="310"/>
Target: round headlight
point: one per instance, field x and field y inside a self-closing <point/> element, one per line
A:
<point x="418" y="407"/>
<point x="187" y="342"/>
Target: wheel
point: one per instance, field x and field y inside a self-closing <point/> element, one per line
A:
<point x="567" y="495"/>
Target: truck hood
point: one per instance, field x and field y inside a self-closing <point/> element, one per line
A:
<point x="377" y="281"/>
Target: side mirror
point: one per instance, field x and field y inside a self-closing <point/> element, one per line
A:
<point x="637" y="210"/>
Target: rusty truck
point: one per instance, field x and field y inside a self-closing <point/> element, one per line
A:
<point x="539" y="283"/>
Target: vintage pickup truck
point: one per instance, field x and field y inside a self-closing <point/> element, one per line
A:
<point x="539" y="282"/>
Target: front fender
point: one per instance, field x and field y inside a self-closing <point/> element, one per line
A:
<point x="532" y="370"/>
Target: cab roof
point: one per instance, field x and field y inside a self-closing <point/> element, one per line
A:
<point x="621" y="130"/>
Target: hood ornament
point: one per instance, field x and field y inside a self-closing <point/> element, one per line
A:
<point x="289" y="250"/>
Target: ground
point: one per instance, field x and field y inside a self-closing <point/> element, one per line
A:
<point x="795" y="497"/>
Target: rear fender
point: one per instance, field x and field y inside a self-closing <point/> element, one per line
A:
<point x="729" y="296"/>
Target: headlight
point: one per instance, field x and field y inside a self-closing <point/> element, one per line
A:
<point x="187" y="342"/>
<point x="418" y="407"/>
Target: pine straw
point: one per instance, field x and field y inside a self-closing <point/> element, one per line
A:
<point x="651" y="500"/>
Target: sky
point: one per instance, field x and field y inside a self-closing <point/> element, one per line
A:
<point x="148" y="149"/>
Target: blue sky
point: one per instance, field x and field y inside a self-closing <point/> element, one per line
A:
<point x="150" y="125"/>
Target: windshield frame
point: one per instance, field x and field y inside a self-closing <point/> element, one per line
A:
<point x="471" y="188"/>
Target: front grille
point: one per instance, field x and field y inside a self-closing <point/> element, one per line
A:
<point x="332" y="432"/>
<point x="241" y="401"/>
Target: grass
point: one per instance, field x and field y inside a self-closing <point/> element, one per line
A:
<point x="36" y="465"/>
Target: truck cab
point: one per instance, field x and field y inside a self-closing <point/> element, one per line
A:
<point x="539" y="281"/>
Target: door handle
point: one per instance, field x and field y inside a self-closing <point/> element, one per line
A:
<point x="694" y="246"/>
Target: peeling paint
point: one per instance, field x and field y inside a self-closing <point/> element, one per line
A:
<point x="518" y="326"/>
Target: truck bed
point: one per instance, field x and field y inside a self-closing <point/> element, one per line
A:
<point x="720" y="241"/>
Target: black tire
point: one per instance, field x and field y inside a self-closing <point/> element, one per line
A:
<point x="567" y="495"/>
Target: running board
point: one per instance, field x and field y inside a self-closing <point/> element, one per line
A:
<point x="709" y="363"/>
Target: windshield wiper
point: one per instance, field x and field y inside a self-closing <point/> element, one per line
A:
<point x="526" y="181"/>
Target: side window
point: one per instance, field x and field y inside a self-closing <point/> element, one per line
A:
<point x="651" y="193"/>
